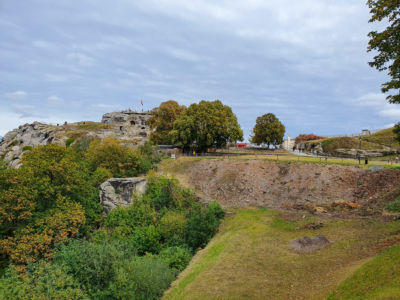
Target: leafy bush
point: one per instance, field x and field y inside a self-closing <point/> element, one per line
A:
<point x="201" y="227"/>
<point x="176" y="257"/>
<point x="39" y="239"/>
<point x="69" y="141"/>
<point x="141" y="278"/>
<point x="146" y="239"/>
<point x="93" y="264"/>
<point x="136" y="215"/>
<point x="42" y="281"/>
<point x="164" y="192"/>
<point x="173" y="224"/>
<point x="216" y="209"/>
<point x="26" y="148"/>
<point x="109" y="154"/>
<point x="393" y="206"/>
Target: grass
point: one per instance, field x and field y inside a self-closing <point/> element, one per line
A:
<point x="250" y="258"/>
<point x="377" y="279"/>
<point x="181" y="164"/>
<point x="384" y="137"/>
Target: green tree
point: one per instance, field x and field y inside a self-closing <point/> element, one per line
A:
<point x="268" y="130"/>
<point x="204" y="125"/>
<point x="387" y="44"/>
<point x="162" y="121"/>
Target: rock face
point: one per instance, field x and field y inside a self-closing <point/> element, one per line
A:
<point x="129" y="123"/>
<point x="117" y="192"/>
<point x="127" y="126"/>
<point x="308" y="245"/>
<point x="25" y="136"/>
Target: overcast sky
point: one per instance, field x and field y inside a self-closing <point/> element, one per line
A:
<point x="305" y="61"/>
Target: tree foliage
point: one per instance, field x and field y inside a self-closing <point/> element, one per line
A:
<point x="268" y="130"/>
<point x="204" y="125"/>
<point x="162" y="121"/>
<point x="307" y="137"/>
<point x="387" y="44"/>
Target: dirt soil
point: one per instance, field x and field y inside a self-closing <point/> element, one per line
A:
<point x="282" y="185"/>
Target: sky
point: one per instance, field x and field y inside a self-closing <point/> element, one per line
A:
<point x="305" y="61"/>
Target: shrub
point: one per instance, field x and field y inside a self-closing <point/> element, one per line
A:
<point x="27" y="148"/>
<point x="69" y="142"/>
<point x="393" y="206"/>
<point x="136" y="215"/>
<point x="38" y="240"/>
<point x="173" y="224"/>
<point x="201" y="227"/>
<point x="164" y="192"/>
<point x="216" y="209"/>
<point x="176" y="257"/>
<point x="141" y="278"/>
<point x="43" y="281"/>
<point x="93" y="264"/>
<point x="109" y="154"/>
<point x="99" y="176"/>
<point x="146" y="239"/>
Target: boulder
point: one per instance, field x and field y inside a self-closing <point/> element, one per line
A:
<point x="308" y="245"/>
<point x="117" y="192"/>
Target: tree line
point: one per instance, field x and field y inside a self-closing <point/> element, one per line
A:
<point x="208" y="124"/>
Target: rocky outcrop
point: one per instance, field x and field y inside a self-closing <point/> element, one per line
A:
<point x="117" y="192"/>
<point x="24" y="137"/>
<point x="127" y="126"/>
<point x="129" y="123"/>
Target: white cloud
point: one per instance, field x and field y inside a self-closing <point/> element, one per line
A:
<point x="379" y="103"/>
<point x="183" y="54"/>
<point x="55" y="100"/>
<point x="18" y="95"/>
<point x="80" y="58"/>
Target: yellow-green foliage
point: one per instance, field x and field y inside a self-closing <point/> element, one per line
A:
<point x="109" y="154"/>
<point x="172" y="223"/>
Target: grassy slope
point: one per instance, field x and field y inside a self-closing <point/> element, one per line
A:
<point x="384" y="137"/>
<point x="250" y="259"/>
<point x="377" y="279"/>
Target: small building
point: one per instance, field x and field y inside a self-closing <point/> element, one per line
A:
<point x="288" y="144"/>
<point x="365" y="132"/>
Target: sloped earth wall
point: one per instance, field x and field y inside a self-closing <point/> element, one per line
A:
<point x="279" y="185"/>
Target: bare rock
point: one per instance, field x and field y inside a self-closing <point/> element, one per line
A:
<point x="309" y="245"/>
<point x="117" y="192"/>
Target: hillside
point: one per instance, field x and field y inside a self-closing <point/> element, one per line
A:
<point x="126" y="126"/>
<point x="252" y="183"/>
<point x="381" y="143"/>
<point x="250" y="257"/>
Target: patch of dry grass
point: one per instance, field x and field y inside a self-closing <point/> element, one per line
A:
<point x="250" y="258"/>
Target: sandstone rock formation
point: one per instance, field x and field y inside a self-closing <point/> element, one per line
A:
<point x="117" y="192"/>
<point x="127" y="126"/>
<point x="308" y="245"/>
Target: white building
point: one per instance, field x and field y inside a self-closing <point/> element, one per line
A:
<point x="288" y="143"/>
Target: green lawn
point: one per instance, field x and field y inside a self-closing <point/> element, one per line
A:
<point x="377" y="279"/>
<point x="250" y="257"/>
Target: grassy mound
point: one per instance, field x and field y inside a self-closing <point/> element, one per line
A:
<point x="377" y="279"/>
<point x="250" y="257"/>
<point x="383" y="137"/>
